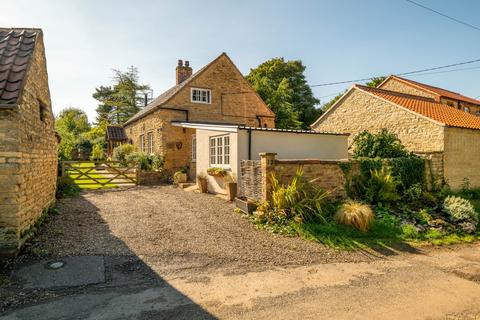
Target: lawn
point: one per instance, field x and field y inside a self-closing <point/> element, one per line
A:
<point x="85" y="182"/>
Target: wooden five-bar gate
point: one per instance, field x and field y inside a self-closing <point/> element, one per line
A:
<point x="102" y="174"/>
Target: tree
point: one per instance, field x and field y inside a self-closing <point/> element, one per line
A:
<point x="375" y="81"/>
<point x="120" y="102"/>
<point x="104" y="110"/>
<point x="283" y="87"/>
<point x="70" y="124"/>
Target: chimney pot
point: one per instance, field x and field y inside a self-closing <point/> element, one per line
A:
<point x="184" y="71"/>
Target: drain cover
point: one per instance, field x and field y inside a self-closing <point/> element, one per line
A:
<point x="55" y="265"/>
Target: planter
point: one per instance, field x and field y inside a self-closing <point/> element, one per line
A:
<point x="202" y="185"/>
<point x="231" y="190"/>
<point x="245" y="205"/>
<point x="180" y="177"/>
<point x="217" y="172"/>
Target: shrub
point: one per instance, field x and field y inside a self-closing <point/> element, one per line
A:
<point x="383" y="144"/>
<point x="298" y="200"/>
<point x="146" y="162"/>
<point x="97" y="153"/>
<point x="121" y="152"/>
<point x="460" y="210"/>
<point x="409" y="231"/>
<point x="355" y="214"/>
<point x="378" y="186"/>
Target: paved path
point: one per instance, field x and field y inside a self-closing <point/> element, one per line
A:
<point x="429" y="283"/>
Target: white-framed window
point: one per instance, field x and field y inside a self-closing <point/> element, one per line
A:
<point x="150" y="142"/>
<point x="220" y="151"/>
<point x="142" y="142"/>
<point x="466" y="109"/>
<point x="198" y="95"/>
<point x="477" y="113"/>
<point x="194" y="148"/>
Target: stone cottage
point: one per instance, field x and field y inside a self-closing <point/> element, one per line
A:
<point x="28" y="143"/>
<point x="425" y="123"/>
<point x="217" y="93"/>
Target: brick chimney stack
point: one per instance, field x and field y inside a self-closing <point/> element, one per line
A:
<point x="183" y="71"/>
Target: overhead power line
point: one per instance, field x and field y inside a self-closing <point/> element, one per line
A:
<point x="444" y="15"/>
<point x="398" y="74"/>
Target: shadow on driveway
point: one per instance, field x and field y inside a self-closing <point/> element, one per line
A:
<point x="93" y="286"/>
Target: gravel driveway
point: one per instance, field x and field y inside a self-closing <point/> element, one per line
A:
<point x="163" y="253"/>
<point x="174" y="230"/>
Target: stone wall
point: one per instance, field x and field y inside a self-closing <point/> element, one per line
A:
<point x="399" y="86"/>
<point x="28" y="157"/>
<point x="256" y="183"/>
<point x="462" y="152"/>
<point x="153" y="178"/>
<point x="361" y="111"/>
<point x="233" y="101"/>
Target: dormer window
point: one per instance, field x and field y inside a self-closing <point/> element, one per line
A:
<point x="201" y="95"/>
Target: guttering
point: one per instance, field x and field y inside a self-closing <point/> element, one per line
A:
<point x="249" y="144"/>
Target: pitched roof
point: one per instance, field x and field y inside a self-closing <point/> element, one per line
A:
<point x="427" y="107"/>
<point x="116" y="133"/>
<point x="435" y="90"/>
<point x="170" y="93"/>
<point x="16" y="48"/>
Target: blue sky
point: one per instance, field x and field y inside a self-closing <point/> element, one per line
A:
<point x="336" y="40"/>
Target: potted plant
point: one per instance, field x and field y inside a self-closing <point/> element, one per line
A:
<point x="180" y="176"/>
<point x="202" y="182"/>
<point x="217" y="172"/>
<point x="231" y="186"/>
<point x="245" y="205"/>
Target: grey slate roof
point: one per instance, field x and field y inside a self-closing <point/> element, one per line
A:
<point x="16" y="49"/>
<point x="116" y="133"/>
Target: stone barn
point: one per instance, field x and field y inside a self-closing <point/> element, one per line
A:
<point x="431" y="126"/>
<point x="28" y="143"/>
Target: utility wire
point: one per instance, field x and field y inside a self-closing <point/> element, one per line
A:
<point x="444" y="15"/>
<point x="414" y="75"/>
<point x="398" y="74"/>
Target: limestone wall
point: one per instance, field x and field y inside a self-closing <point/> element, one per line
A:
<point x="28" y="157"/>
<point x="399" y="86"/>
<point x="462" y="151"/>
<point x="233" y="101"/>
<point x="360" y="111"/>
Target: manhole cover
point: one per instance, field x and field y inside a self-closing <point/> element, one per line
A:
<point x="55" y="265"/>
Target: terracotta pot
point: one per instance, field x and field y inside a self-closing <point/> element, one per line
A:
<point x="202" y="185"/>
<point x="231" y="190"/>
<point x="180" y="178"/>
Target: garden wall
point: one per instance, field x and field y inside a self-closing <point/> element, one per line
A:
<point x="328" y="175"/>
<point x="255" y="183"/>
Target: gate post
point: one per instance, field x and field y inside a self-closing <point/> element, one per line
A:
<point x="267" y="165"/>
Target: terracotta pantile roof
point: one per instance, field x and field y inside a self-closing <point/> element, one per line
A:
<point x="438" y="91"/>
<point x="16" y="48"/>
<point x="115" y="133"/>
<point x="428" y="108"/>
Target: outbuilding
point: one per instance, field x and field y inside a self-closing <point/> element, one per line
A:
<point x="225" y="145"/>
<point x="28" y="143"/>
